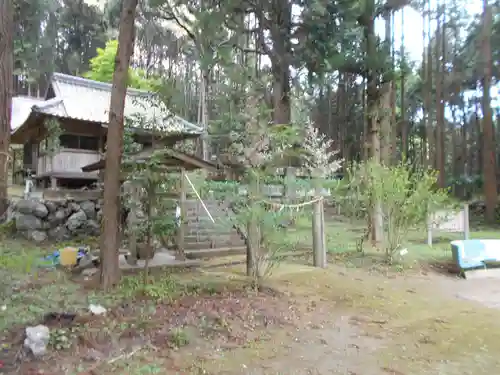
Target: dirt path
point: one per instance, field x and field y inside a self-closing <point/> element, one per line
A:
<point x="322" y="343"/>
<point x="484" y="291"/>
<point x="319" y="322"/>
<point x="400" y="326"/>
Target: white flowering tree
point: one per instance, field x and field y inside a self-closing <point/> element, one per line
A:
<point x="256" y="149"/>
<point x="322" y="164"/>
<point x="319" y="155"/>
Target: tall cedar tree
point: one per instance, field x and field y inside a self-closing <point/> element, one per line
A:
<point x="6" y="71"/>
<point x="110" y="272"/>
<point x="489" y="165"/>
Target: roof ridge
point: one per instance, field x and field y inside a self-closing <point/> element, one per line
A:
<point x="85" y="82"/>
<point x="48" y="103"/>
<point x="196" y="127"/>
<point x="32" y="98"/>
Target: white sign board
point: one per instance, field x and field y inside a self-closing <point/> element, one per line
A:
<point x="449" y="221"/>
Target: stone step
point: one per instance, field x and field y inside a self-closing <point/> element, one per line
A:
<point x="210" y="206"/>
<point x="211" y="245"/>
<point x="199" y="236"/>
<point x="217" y="252"/>
<point x="204" y="217"/>
<point x="218" y="221"/>
<point x="212" y="238"/>
<point x="206" y="220"/>
<point x="208" y="231"/>
<point x="208" y="202"/>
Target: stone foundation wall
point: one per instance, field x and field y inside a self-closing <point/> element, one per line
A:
<point x="61" y="220"/>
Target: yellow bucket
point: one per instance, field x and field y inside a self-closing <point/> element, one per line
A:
<point x="68" y="256"/>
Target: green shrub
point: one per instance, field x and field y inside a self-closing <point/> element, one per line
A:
<point x="406" y="197"/>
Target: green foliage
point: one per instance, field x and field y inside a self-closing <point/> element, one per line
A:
<point x="149" y="189"/>
<point x="54" y="132"/>
<point x="407" y="198"/>
<point x="178" y="338"/>
<point x="102" y="68"/>
<point x="77" y="26"/>
<point x="130" y="146"/>
<point x="7" y="228"/>
<point x="253" y="203"/>
<point x="63" y="338"/>
<point x="471" y="185"/>
<point x="154" y="206"/>
<point x="272" y="215"/>
<point x="162" y="289"/>
<point x="18" y="260"/>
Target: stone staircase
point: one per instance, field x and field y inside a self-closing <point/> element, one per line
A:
<point x="207" y="239"/>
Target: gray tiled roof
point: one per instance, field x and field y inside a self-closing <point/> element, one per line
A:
<point x="21" y="109"/>
<point x="88" y="100"/>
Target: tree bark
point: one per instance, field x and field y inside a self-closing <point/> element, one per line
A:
<point x="440" y="152"/>
<point x="385" y="104"/>
<point x="6" y="71"/>
<point x="385" y="123"/>
<point x="373" y="113"/>
<point x="394" y="130"/>
<point x="110" y="271"/>
<point x="203" y="115"/>
<point x="489" y="162"/>
<point x="281" y="93"/>
<point x="280" y="55"/>
<point x="431" y="138"/>
<point x="404" y="125"/>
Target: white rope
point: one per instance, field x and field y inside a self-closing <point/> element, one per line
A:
<point x="199" y="198"/>
<point x="298" y="205"/>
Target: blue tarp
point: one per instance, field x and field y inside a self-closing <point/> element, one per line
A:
<point x="52" y="260"/>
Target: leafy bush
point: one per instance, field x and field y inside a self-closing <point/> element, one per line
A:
<point x="244" y="205"/>
<point x="406" y="196"/>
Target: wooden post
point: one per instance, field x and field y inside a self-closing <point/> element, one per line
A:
<point x="290" y="190"/>
<point x="466" y="221"/>
<point x="430" y="224"/>
<point x="182" y="204"/>
<point x="318" y="228"/>
<point x="13" y="167"/>
<point x="323" y="234"/>
<point x="429" y="231"/>
<point x="101" y="147"/>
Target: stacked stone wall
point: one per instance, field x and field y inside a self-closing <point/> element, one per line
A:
<point x="55" y="220"/>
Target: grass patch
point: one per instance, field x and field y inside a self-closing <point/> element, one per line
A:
<point x="344" y="237"/>
<point x="30" y="289"/>
<point x="423" y="332"/>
